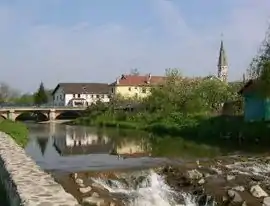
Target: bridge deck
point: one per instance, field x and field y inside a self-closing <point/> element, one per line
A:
<point x="42" y="108"/>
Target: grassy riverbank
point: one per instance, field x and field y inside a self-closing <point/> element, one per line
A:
<point x="17" y="130"/>
<point x="227" y="132"/>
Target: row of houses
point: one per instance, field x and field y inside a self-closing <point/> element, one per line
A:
<point x="85" y="94"/>
<point x="128" y="86"/>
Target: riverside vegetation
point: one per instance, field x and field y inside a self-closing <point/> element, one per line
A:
<point x="186" y="108"/>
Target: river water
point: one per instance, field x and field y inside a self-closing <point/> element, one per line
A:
<point x="92" y="153"/>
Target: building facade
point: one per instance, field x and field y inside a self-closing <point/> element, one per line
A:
<point x="80" y="94"/>
<point x="256" y="105"/>
<point x="135" y="86"/>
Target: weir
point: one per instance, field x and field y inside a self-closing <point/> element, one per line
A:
<point x="25" y="183"/>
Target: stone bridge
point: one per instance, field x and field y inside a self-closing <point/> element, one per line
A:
<point x="51" y="113"/>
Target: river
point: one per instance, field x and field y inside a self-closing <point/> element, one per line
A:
<point x="122" y="167"/>
<point x="64" y="148"/>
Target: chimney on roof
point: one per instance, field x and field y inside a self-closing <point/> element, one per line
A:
<point x="117" y="80"/>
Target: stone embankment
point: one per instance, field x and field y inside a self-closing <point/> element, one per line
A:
<point x="25" y="183"/>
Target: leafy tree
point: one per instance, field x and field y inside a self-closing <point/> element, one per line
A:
<point x="260" y="67"/>
<point x="259" y="62"/>
<point x="40" y="96"/>
<point x="7" y="93"/>
<point x="264" y="79"/>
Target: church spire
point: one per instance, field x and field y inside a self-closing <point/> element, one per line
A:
<point x="222" y="63"/>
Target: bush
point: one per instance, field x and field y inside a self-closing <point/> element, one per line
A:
<point x="17" y="130"/>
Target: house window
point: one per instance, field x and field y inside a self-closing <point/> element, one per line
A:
<point x="129" y="89"/>
<point x="102" y="96"/>
<point x="92" y="96"/>
<point x="112" y="90"/>
<point x="74" y="95"/>
<point x="143" y="90"/>
<point x="97" y="96"/>
<point x="79" y="95"/>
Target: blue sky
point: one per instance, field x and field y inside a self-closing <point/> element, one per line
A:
<point x="97" y="40"/>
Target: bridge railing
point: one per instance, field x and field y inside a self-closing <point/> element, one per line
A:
<point x="41" y="107"/>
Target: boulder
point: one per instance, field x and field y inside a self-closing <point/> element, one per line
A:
<point x="266" y="201"/>
<point x="85" y="189"/>
<point x="234" y="196"/>
<point x="194" y="174"/>
<point x="79" y="181"/>
<point x="257" y="191"/>
<point x="230" y="177"/>
<point x="93" y="201"/>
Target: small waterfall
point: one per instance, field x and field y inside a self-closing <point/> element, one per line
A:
<point x="146" y="190"/>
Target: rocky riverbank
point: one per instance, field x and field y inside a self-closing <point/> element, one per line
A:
<point x="224" y="181"/>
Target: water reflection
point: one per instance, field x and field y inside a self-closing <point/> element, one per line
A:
<point x="73" y="148"/>
<point x="42" y="142"/>
<point x="78" y="142"/>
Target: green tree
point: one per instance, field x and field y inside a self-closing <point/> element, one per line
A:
<point x="260" y="61"/>
<point x="41" y="96"/>
<point x="25" y="99"/>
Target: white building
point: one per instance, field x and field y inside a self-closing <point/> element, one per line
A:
<point x="80" y="94"/>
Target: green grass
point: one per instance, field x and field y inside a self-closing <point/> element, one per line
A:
<point x="17" y="130"/>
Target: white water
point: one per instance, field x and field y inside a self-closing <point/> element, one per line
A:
<point x="152" y="191"/>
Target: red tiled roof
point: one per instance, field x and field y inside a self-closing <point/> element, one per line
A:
<point x="135" y="80"/>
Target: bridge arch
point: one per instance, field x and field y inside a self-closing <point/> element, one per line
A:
<point x="68" y="115"/>
<point x="32" y="115"/>
<point x="2" y="116"/>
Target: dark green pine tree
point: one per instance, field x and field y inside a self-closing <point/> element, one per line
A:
<point x="41" y="95"/>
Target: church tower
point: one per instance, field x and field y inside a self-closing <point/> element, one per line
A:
<point x="222" y="64"/>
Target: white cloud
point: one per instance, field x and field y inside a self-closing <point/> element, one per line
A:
<point x="83" y="53"/>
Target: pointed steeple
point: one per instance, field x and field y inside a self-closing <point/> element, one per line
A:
<point x="222" y="64"/>
<point x="222" y="60"/>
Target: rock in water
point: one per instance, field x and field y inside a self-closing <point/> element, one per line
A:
<point x="230" y="177"/>
<point x="79" y="181"/>
<point x="85" y="189"/>
<point x="194" y="174"/>
<point x="266" y="201"/>
<point x="257" y="191"/>
<point x="239" y="188"/>
<point x="201" y="181"/>
<point x="95" y="201"/>
<point x="234" y="196"/>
